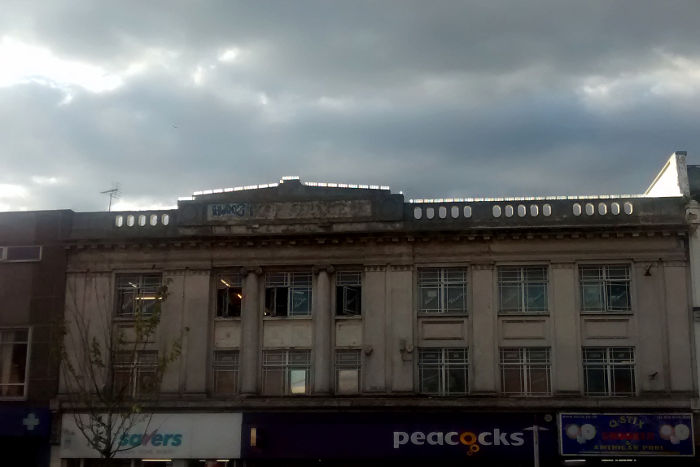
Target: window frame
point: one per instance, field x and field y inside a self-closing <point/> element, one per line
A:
<point x="27" y="363"/>
<point x="273" y="289"/>
<point x="522" y="283"/>
<point x="603" y="284"/>
<point x="525" y="364"/>
<point x="347" y="365"/>
<point x="286" y="367"/>
<point x="608" y="367"/>
<point x="442" y="284"/>
<point x="135" y="369"/>
<point x="5" y="253"/>
<point x="443" y="365"/>
<point x="342" y="286"/>
<point x="153" y="292"/>
<point x="220" y="365"/>
<point x="231" y="282"/>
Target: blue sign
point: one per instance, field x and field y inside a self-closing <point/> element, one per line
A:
<point x="626" y="434"/>
<point x="468" y="437"/>
<point x="229" y="210"/>
<point x="25" y="421"/>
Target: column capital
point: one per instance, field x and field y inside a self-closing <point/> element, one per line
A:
<point x="564" y="265"/>
<point x="257" y="270"/>
<point x="482" y="266"/>
<point x="324" y="267"/>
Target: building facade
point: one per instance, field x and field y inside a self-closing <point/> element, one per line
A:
<point x="345" y="325"/>
<point x="32" y="285"/>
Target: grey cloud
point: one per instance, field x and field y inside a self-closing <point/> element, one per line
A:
<point x="435" y="99"/>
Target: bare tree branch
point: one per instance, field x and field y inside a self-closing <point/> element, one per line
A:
<point x="102" y="363"/>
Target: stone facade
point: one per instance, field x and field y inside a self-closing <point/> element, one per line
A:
<point x="322" y="231"/>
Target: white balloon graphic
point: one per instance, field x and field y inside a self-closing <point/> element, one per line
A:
<point x="588" y="431"/>
<point x="666" y="431"/>
<point x="572" y="431"/>
<point x="682" y="431"/>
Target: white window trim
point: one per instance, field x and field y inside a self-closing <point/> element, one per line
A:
<point x="525" y="366"/>
<point x="27" y="364"/>
<point x="606" y="264"/>
<point x="341" y="367"/>
<point x="4" y="252"/>
<point x="442" y="285"/>
<point x="217" y="366"/>
<point x="608" y="367"/>
<point x="286" y="367"/>
<point x="522" y="283"/>
<point x="443" y="367"/>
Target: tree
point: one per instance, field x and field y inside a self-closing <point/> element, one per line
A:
<point x="109" y="368"/>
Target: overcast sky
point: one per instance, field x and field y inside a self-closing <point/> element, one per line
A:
<point x="434" y="98"/>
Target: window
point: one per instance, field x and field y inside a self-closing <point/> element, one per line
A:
<point x="138" y="293"/>
<point x="609" y="371"/>
<point x="605" y="288"/>
<point x="525" y="371"/>
<point x="522" y="289"/>
<point x="136" y="373"/>
<point x="442" y="290"/>
<point x="347" y="371"/>
<point x="225" y="371"/>
<point x="288" y="294"/>
<point x="348" y="293"/>
<point x="14" y="353"/>
<point x="286" y="372"/>
<point x="443" y="371"/>
<point x="20" y="253"/>
<point x="229" y="296"/>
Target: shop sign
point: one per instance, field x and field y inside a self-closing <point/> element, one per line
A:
<point x="626" y="434"/>
<point x="25" y="421"/>
<point x="178" y="436"/>
<point x="469" y="437"/>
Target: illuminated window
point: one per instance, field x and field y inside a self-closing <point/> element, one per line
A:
<point x="136" y="373"/>
<point x="605" y="288"/>
<point x="522" y="289"/>
<point x="14" y="354"/>
<point x="609" y="371"/>
<point x="443" y="372"/>
<point x="229" y="296"/>
<point x="286" y="372"/>
<point x="138" y="293"/>
<point x="442" y="290"/>
<point x="347" y="371"/>
<point x="225" y="371"/>
<point x="288" y="294"/>
<point x="348" y="293"/>
<point x="525" y="371"/>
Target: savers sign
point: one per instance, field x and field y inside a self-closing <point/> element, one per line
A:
<point x="164" y="435"/>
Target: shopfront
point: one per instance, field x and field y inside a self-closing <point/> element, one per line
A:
<point x="24" y="435"/>
<point x="627" y="438"/>
<point x="163" y="440"/>
<point x="405" y="439"/>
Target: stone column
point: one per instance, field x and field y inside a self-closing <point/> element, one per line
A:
<point x="400" y="328"/>
<point x="250" y="331"/>
<point x="322" y="320"/>
<point x="484" y="346"/>
<point x="374" y="304"/>
<point x="566" y="346"/>
<point x="679" y="322"/>
<point x="196" y="342"/>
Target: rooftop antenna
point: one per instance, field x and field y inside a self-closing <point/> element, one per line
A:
<point x="113" y="194"/>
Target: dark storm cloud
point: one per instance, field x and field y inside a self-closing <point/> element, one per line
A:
<point x="433" y="98"/>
